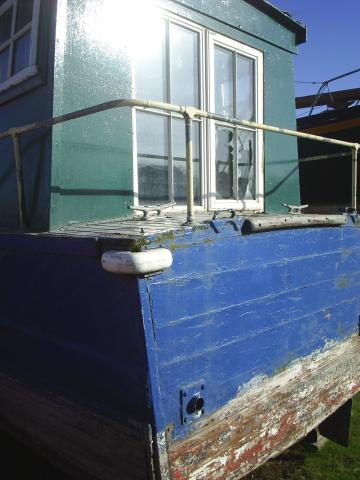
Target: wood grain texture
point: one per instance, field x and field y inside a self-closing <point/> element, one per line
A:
<point x="233" y="308"/>
<point x="261" y="422"/>
<point x="75" y="439"/>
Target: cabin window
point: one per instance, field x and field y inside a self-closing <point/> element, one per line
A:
<point x="169" y="73"/>
<point x="18" y="41"/>
<point x="236" y="91"/>
<point x="190" y="66"/>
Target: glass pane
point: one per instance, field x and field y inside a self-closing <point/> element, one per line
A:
<point x="245" y="88"/>
<point x="179" y="161"/>
<point x="152" y="140"/>
<point x="246" y="164"/>
<point x="24" y="13"/>
<point x="4" y="60"/>
<point x="224" y="82"/>
<point x="5" y="26"/>
<point x="151" y="67"/>
<point x="184" y="66"/>
<point x="21" y="58"/>
<point x="224" y="162"/>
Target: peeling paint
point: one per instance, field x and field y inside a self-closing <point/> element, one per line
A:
<point x="275" y="413"/>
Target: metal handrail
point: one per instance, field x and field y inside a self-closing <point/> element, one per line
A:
<point x="189" y="113"/>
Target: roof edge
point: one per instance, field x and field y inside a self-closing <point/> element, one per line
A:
<point x="282" y="18"/>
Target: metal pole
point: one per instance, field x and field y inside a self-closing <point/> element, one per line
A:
<point x="326" y="84"/>
<point x="189" y="114"/>
<point x="315" y="158"/>
<point x="189" y="169"/>
<point x="271" y="128"/>
<point x="19" y="181"/>
<point x="354" y="179"/>
<point x="169" y="108"/>
<point x="101" y="107"/>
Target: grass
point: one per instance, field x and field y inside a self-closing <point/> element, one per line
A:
<point x="305" y="462"/>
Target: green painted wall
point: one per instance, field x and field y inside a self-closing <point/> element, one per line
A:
<point x="27" y="102"/>
<point x="238" y="14"/>
<point x="92" y="171"/>
<point x="281" y="152"/>
<point x="92" y="166"/>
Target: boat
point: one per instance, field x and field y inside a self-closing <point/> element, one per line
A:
<point x="338" y="119"/>
<point x="167" y="309"/>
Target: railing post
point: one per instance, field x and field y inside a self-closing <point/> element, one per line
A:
<point x="19" y="181"/>
<point x="189" y="114"/>
<point x="189" y="167"/>
<point x="354" y="178"/>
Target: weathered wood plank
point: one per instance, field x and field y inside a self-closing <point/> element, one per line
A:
<point x="234" y="309"/>
<point x="186" y="342"/>
<point x="263" y="421"/>
<point x="237" y="288"/>
<point x="72" y="437"/>
<point x="239" y="251"/>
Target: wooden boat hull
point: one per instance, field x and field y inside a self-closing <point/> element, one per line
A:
<point x="264" y="421"/>
<point x="256" y="329"/>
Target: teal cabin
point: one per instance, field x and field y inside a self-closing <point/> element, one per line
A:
<point x="233" y="58"/>
<point x="205" y="329"/>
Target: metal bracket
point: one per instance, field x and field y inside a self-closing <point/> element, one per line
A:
<point x="296" y="209"/>
<point x="190" y="112"/>
<point x="148" y="209"/>
<point x="192" y="403"/>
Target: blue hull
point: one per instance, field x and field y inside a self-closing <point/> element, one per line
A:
<point x="232" y="310"/>
<point x="235" y="307"/>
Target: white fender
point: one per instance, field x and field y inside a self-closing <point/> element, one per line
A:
<point x="137" y="263"/>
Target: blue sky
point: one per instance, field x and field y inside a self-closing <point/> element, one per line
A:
<point x="333" y="41"/>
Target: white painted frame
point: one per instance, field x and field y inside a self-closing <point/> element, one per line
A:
<point x="207" y="41"/>
<point x="33" y="27"/>
<point x="215" y="39"/>
<point x="167" y="16"/>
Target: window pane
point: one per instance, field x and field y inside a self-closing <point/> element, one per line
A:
<point x="24" y="13"/>
<point x="224" y="83"/>
<point x="224" y="158"/>
<point x="21" y="58"/>
<point x="5" y="26"/>
<point x="4" y="60"/>
<point x="179" y="161"/>
<point x="246" y="164"/>
<point x="245" y="88"/>
<point x="152" y="138"/>
<point x="151" y="68"/>
<point x="184" y="66"/>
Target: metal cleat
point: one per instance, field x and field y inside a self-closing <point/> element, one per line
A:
<point x="147" y="210"/>
<point x="296" y="209"/>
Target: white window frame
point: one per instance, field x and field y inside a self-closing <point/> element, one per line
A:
<point x="167" y="16"/>
<point x="215" y="39"/>
<point x="33" y="26"/>
<point x="208" y="40"/>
